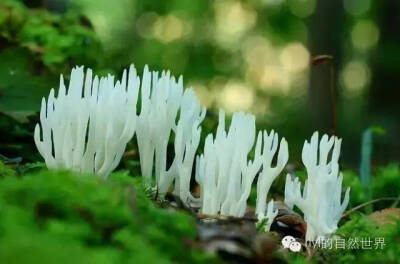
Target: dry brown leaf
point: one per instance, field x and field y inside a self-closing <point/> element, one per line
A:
<point x="385" y="216"/>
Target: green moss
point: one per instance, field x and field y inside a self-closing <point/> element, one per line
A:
<point x="360" y="227"/>
<point x="386" y="182"/>
<point x="63" y="217"/>
<point x="5" y="171"/>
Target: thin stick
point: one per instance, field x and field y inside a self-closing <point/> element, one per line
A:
<point x="396" y="202"/>
<point x="367" y="203"/>
<point x="226" y="218"/>
<point x="317" y="60"/>
<point x="333" y="97"/>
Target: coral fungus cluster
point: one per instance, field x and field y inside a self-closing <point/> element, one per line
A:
<point x="86" y="128"/>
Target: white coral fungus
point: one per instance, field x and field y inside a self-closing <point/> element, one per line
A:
<point x="269" y="173"/>
<point x="321" y="199"/>
<point x="224" y="173"/>
<point x="162" y="98"/>
<point x="86" y="128"/>
<point x="187" y="139"/>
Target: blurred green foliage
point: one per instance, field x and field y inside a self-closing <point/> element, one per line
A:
<point x="237" y="55"/>
<point x="62" y="217"/>
<point x="54" y="39"/>
<point x="35" y="47"/>
<point x="384" y="183"/>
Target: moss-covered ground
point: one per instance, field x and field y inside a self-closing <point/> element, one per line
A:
<point x="64" y="217"/>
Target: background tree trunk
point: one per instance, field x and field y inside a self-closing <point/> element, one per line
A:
<point x="384" y="95"/>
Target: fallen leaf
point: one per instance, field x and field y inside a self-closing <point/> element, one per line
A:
<point x="385" y="216"/>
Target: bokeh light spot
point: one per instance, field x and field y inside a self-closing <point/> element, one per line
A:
<point x="295" y="57"/>
<point x="365" y="34"/>
<point x="272" y="2"/>
<point x="275" y="80"/>
<point x="357" y="7"/>
<point x="302" y="8"/>
<point x="145" y="23"/>
<point x="233" y="20"/>
<point x="168" y="28"/>
<point x="355" y="76"/>
<point x="236" y="96"/>
<point x="205" y="96"/>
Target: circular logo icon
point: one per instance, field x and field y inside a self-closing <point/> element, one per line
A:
<point x="291" y="243"/>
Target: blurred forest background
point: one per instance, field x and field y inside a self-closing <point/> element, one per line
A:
<point x="252" y="55"/>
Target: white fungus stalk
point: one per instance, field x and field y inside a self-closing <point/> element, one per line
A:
<point x="187" y="139"/>
<point x="86" y="128"/>
<point x="321" y="199"/>
<point x="223" y="172"/>
<point x="160" y="102"/>
<point x="269" y="173"/>
<point x="269" y="215"/>
<point x="162" y="98"/>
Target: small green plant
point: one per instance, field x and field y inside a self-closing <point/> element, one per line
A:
<point x="262" y="224"/>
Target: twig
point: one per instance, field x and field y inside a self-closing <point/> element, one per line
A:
<point x="367" y="203"/>
<point x="12" y="161"/>
<point x="396" y="202"/>
<point x="317" y="60"/>
<point x="227" y="218"/>
<point x="130" y="154"/>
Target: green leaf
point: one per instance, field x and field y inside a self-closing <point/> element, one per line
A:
<point x="20" y="90"/>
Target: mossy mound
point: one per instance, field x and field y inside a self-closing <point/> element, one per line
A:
<point x="64" y="217"/>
